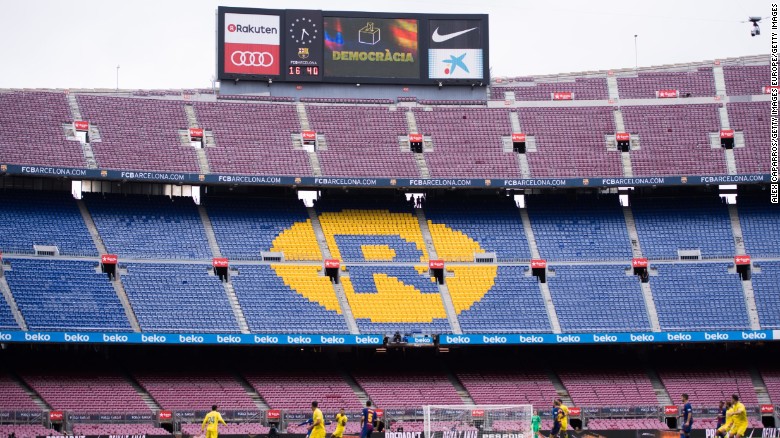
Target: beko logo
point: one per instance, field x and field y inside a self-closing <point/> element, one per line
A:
<point x="252" y="29"/>
<point x="531" y="339"/>
<point x="458" y="340"/>
<point x="153" y="338"/>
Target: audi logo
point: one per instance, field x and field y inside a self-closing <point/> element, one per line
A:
<point x="252" y="59"/>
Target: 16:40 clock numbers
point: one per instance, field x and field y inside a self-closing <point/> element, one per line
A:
<point x="303" y="71"/>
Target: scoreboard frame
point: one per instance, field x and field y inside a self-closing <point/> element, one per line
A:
<point x="424" y="42"/>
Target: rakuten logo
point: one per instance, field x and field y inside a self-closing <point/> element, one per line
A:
<point x="716" y="337"/>
<point x="190" y="339"/>
<point x="494" y="339"/>
<point x="155" y="339"/>
<point x="531" y="339"/>
<point x="642" y="338"/>
<point x="367" y="340"/>
<point x="753" y="335"/>
<point x="76" y="338"/>
<point x="567" y="338"/>
<point x="114" y="338"/>
<point x="298" y="340"/>
<point x="266" y="340"/>
<point x="678" y="337"/>
<point x="228" y="339"/>
<point x="458" y="339"/>
<point x="37" y="337"/>
<point x="604" y="338"/>
<point x="332" y="339"/>
<point x="251" y="29"/>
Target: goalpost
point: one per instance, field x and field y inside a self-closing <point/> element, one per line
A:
<point x="477" y="421"/>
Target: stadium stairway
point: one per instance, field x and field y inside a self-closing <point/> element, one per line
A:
<point x="759" y="386"/>
<point x="449" y="307"/>
<point x="356" y="388"/>
<point x="34" y="396"/>
<point x="215" y="251"/>
<point x="460" y="389"/>
<point x="119" y="288"/>
<point x="145" y="396"/>
<point x="9" y="298"/>
<point x="625" y="157"/>
<point x="522" y="159"/>
<point x="660" y="390"/>
<point x="250" y="391"/>
<point x="612" y="87"/>
<point x="341" y="295"/>
<point x="75" y="112"/>
<point x="543" y="287"/>
<point x="419" y="159"/>
<point x="747" y="285"/>
<point x="314" y="159"/>
<point x="561" y="390"/>
<point x="636" y="250"/>
<point x="192" y="120"/>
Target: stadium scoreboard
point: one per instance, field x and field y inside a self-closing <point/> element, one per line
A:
<point x="351" y="47"/>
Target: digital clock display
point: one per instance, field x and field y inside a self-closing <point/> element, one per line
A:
<point x="300" y="70"/>
<point x="303" y="43"/>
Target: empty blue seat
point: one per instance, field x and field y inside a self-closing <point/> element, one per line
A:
<point x="666" y="225"/>
<point x="597" y="298"/>
<point x="699" y="296"/>
<point x="579" y="228"/>
<point x="65" y="295"/>
<point x="30" y="218"/>
<point x="178" y="298"/>
<point x="766" y="288"/>
<point x="149" y="226"/>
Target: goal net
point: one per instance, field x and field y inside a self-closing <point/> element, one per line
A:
<point x="478" y="421"/>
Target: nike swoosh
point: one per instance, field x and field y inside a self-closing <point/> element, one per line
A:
<point x="438" y="38"/>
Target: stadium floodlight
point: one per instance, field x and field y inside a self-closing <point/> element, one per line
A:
<point x="467" y="421"/>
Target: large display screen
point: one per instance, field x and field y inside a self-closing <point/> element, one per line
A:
<point x="455" y="49"/>
<point x="371" y="47"/>
<point x="351" y="47"/>
<point x="251" y="44"/>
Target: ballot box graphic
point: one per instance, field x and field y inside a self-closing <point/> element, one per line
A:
<point x="369" y="34"/>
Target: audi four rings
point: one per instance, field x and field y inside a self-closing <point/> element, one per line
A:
<point x="252" y="59"/>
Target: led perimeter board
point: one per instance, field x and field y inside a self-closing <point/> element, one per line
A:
<point x="351" y="47"/>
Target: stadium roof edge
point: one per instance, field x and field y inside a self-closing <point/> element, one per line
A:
<point x="556" y="77"/>
<point x="570" y="76"/>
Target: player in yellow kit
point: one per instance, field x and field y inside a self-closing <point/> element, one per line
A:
<point x="564" y="419"/>
<point x="211" y="423"/>
<point x="341" y="424"/>
<point x="738" y="417"/>
<point x="317" y="427"/>
<point x="725" y="429"/>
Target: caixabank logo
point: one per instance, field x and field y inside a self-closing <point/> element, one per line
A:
<point x="397" y="288"/>
<point x="252" y="44"/>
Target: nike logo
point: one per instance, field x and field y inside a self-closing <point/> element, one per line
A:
<point x="438" y="38"/>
